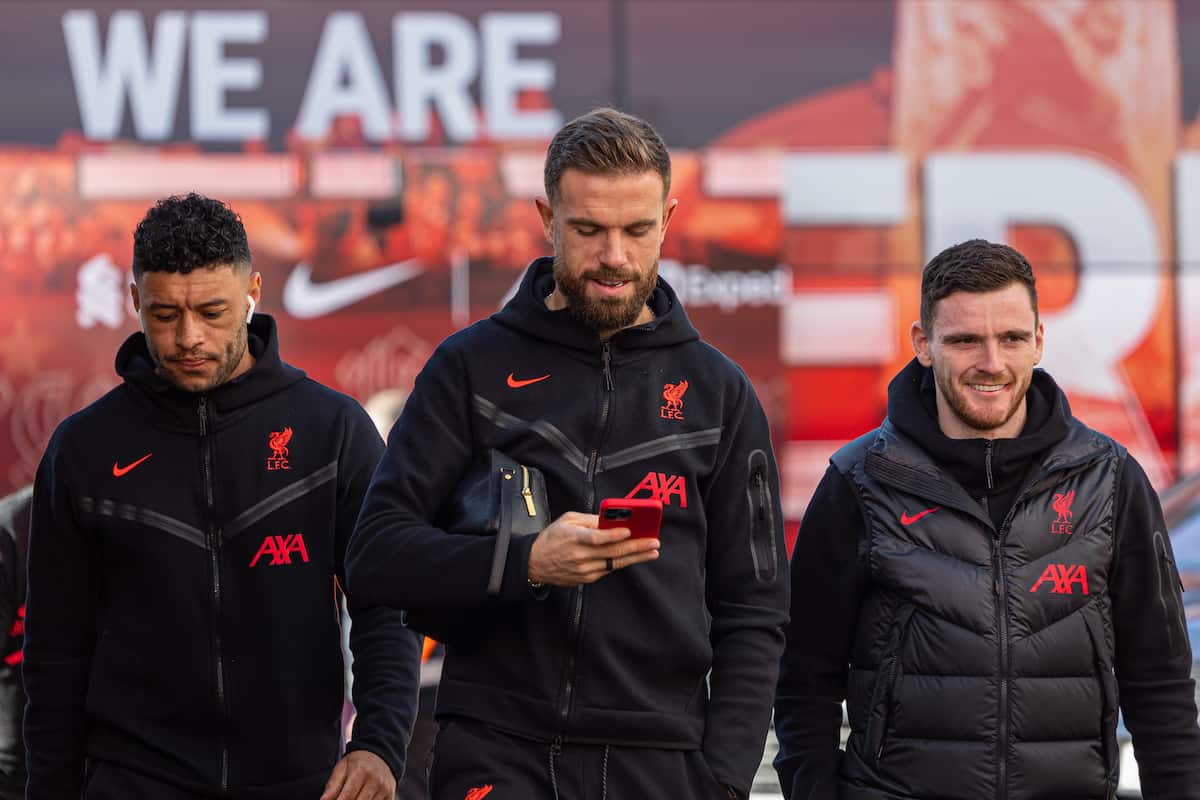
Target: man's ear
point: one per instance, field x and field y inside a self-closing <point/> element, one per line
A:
<point x="668" y="212"/>
<point x="137" y="298"/>
<point x="920" y="344"/>
<point x="546" y="212"/>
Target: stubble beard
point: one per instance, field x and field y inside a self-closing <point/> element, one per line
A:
<point x="226" y="364"/>
<point x="956" y="399"/>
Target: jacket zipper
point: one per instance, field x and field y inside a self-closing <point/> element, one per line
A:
<point x="577" y="614"/>
<point x="526" y="492"/>
<point x="1000" y="586"/>
<point x="760" y="480"/>
<point x="214" y="549"/>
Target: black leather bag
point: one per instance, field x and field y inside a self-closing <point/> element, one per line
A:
<point x="502" y="498"/>
<point x="498" y="497"/>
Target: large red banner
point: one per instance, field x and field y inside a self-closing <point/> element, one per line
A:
<point x="385" y="162"/>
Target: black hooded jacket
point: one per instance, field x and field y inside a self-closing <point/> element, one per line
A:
<point x="625" y="660"/>
<point x="182" y="619"/>
<point x="900" y="615"/>
<point x="14" y="543"/>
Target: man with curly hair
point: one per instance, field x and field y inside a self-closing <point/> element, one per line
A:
<point x="186" y="545"/>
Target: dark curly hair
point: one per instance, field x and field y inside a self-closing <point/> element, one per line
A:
<point x="976" y="265"/>
<point x="186" y="232"/>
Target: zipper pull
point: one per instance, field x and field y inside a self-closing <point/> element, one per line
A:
<point x="606" y="354"/>
<point x="761" y="480"/>
<point x="526" y="492"/>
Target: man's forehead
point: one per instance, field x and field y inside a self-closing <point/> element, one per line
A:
<point x="202" y="281"/>
<point x="1011" y="305"/>
<point x="600" y="191"/>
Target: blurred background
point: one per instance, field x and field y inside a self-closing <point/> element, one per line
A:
<point x="384" y="157"/>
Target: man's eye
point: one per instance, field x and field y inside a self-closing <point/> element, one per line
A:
<point x="213" y="314"/>
<point x="164" y="317"/>
<point x="587" y="231"/>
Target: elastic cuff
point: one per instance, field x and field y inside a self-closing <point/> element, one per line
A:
<point x="515" y="587"/>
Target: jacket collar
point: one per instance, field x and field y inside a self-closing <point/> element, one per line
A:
<point x="268" y="375"/>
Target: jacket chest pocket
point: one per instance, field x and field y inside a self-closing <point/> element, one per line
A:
<point x="888" y="676"/>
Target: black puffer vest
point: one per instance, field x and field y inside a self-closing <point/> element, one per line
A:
<point x="983" y="661"/>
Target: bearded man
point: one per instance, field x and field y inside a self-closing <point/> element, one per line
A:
<point x="600" y="664"/>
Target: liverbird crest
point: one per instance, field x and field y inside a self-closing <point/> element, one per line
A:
<point x="1062" y="504"/>
<point x="279" y="441"/>
<point x="673" y="394"/>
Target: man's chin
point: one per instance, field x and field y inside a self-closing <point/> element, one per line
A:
<point x="188" y="382"/>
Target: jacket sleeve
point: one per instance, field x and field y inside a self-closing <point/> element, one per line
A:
<point x="828" y="577"/>
<point x="387" y="655"/>
<point x="1154" y="659"/>
<point x="397" y="555"/>
<point x="60" y="634"/>
<point x="746" y="592"/>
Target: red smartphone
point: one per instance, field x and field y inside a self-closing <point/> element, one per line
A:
<point x="642" y="516"/>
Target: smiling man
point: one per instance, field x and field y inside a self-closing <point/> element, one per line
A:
<point x="969" y="576"/>
<point x="597" y="665"/>
<point x="187" y="536"/>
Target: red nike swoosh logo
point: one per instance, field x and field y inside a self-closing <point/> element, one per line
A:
<point x="119" y="471"/>
<point x="905" y="519"/>
<point x="516" y="384"/>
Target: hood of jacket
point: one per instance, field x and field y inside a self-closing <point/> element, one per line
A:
<point x="912" y="408"/>
<point x="268" y="375"/>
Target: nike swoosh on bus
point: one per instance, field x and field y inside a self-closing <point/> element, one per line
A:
<point x="304" y="299"/>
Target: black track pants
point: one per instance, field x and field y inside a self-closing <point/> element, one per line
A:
<point x="472" y="761"/>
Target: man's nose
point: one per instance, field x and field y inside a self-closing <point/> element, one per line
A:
<point x="613" y="253"/>
<point x="991" y="362"/>
<point x="188" y="333"/>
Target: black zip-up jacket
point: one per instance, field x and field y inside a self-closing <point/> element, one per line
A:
<point x="14" y="543"/>
<point x="623" y="661"/>
<point x="866" y="625"/>
<point x="182" y="618"/>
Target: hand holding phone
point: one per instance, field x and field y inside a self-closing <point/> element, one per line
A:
<point x="643" y="517"/>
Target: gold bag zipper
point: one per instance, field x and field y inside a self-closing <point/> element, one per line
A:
<point x="526" y="492"/>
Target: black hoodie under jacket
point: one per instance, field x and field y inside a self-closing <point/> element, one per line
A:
<point x="653" y="412"/>
<point x="836" y="586"/>
<point x="182" y="619"/>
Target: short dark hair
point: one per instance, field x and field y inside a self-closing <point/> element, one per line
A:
<point x="186" y="232"/>
<point x="606" y="141"/>
<point x="976" y="265"/>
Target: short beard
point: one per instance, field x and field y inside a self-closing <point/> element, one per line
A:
<point x="961" y="409"/>
<point x="234" y="351"/>
<point x="603" y="316"/>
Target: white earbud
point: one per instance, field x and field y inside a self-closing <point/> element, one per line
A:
<point x="250" y="313"/>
